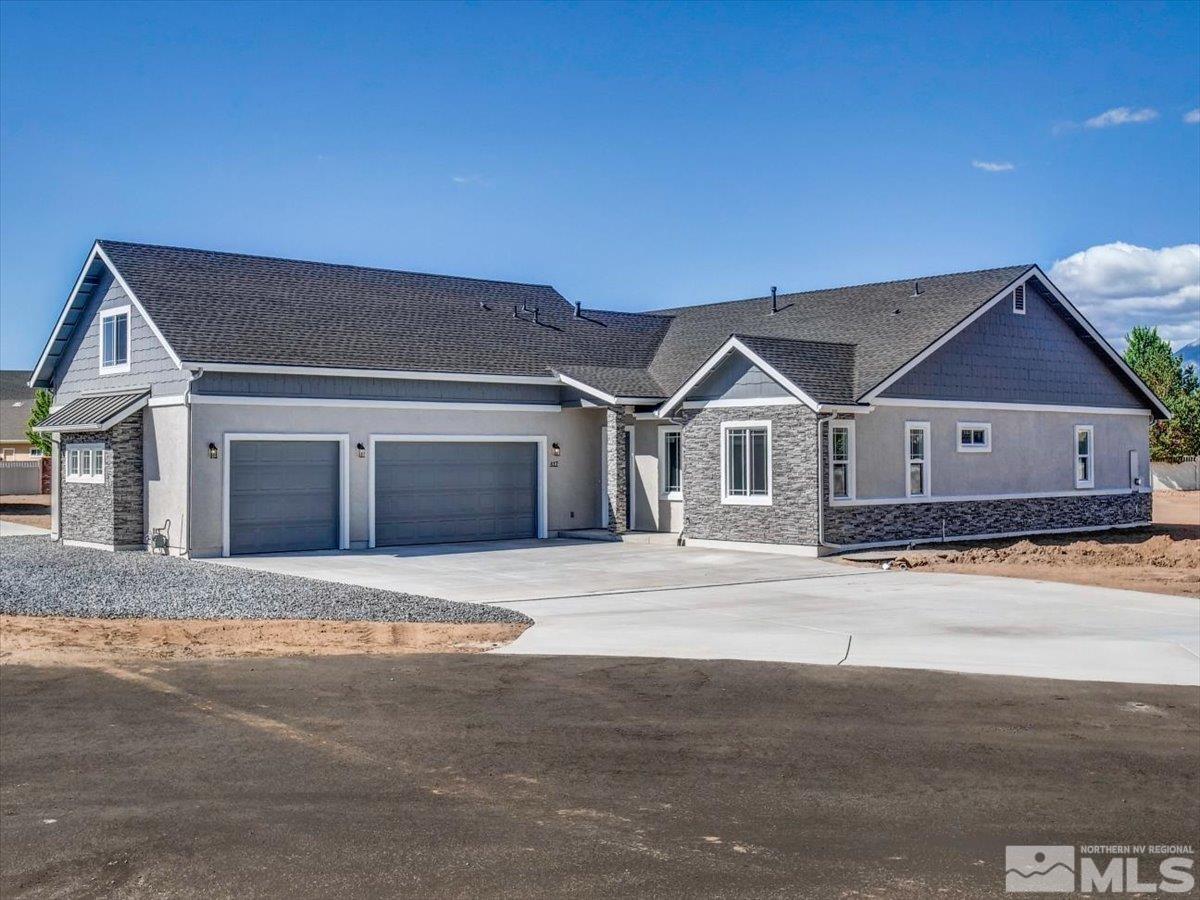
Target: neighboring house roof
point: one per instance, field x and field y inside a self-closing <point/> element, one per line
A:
<point x="16" y="401"/>
<point x="95" y="412"/>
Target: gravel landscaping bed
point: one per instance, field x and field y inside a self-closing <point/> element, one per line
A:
<point x="41" y="578"/>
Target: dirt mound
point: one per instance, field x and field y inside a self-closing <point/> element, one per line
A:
<point x="1159" y="550"/>
<point x="50" y="639"/>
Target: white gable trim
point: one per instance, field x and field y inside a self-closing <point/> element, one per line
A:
<point x="602" y="396"/>
<point x="731" y="345"/>
<point x="873" y="395"/>
<point x="97" y="252"/>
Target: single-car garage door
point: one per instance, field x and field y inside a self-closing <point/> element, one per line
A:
<point x="283" y="495"/>
<point x="429" y="493"/>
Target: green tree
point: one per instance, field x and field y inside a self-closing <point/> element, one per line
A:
<point x="1151" y="357"/>
<point x="42" y="402"/>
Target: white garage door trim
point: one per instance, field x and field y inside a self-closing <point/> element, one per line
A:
<point x="539" y="439"/>
<point x="343" y="478"/>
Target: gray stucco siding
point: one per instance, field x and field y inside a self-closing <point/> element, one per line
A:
<point x="164" y="460"/>
<point x="736" y="378"/>
<point x="572" y="486"/>
<point x="256" y="384"/>
<point x="1032" y="452"/>
<point x="1004" y="357"/>
<point x="150" y="365"/>
<point x="653" y="512"/>
<point x="791" y="517"/>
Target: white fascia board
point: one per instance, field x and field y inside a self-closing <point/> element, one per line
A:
<point x="97" y="252"/>
<point x="370" y="373"/>
<point x="62" y="317"/>
<point x="1113" y="354"/>
<point x="872" y="395"/>
<point x="713" y="361"/>
<point x="138" y="304"/>
<point x="600" y="395"/>
<point x="1011" y="407"/>
<point x="448" y="405"/>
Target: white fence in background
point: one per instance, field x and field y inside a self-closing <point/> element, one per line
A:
<point x="21" y="476"/>
<point x="1180" y="476"/>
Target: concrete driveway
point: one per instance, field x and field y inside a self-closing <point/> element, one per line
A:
<point x="626" y="599"/>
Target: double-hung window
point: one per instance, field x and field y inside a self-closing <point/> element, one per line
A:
<point x="670" y="473"/>
<point x="85" y="463"/>
<point x="114" y="340"/>
<point x="746" y="462"/>
<point x="841" y="459"/>
<point x="916" y="453"/>
<point x="1085" y="474"/>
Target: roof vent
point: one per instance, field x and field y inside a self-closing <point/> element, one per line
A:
<point x="916" y="289"/>
<point x="1019" y="299"/>
<point x="775" y="307"/>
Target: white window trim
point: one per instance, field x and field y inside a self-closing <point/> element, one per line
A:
<point x="105" y="315"/>
<point x="851" y="455"/>
<point x="663" y="431"/>
<point x="1090" y="481"/>
<point x="540" y="440"/>
<point x="918" y="426"/>
<point x="343" y="441"/>
<point x="959" y="427"/>
<point x="739" y="500"/>
<point x="78" y="477"/>
<point x="1020" y="310"/>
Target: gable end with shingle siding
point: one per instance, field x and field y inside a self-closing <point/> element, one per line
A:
<point x="1039" y="357"/>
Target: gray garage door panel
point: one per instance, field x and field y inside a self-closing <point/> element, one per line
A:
<point x="283" y="495"/>
<point x="445" y="492"/>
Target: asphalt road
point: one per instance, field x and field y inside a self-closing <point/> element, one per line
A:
<point x="481" y="776"/>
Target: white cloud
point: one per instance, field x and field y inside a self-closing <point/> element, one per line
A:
<point x="1121" y="115"/>
<point x="1192" y="117"/>
<point x="992" y="166"/>
<point x="1120" y="285"/>
<point x="468" y="179"/>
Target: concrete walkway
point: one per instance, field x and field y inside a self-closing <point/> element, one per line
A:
<point x="19" y="529"/>
<point x="617" y="599"/>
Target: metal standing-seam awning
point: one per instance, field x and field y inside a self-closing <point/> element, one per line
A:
<point x="94" y="412"/>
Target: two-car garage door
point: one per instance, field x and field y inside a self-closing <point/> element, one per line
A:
<point x="433" y="492"/>
<point x="286" y="494"/>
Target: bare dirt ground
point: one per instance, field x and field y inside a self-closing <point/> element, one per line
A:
<point x="32" y="509"/>
<point x="40" y="640"/>
<point x="1162" y="559"/>
<point x="456" y="775"/>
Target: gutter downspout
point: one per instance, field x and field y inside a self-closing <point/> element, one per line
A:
<point x="187" y="491"/>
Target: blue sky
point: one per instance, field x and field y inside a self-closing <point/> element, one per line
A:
<point x="635" y="156"/>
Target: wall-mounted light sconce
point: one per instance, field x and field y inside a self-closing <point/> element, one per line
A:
<point x="362" y="451"/>
<point x="212" y="450"/>
<point x="556" y="450"/>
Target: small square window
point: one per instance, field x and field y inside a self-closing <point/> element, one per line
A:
<point x="974" y="437"/>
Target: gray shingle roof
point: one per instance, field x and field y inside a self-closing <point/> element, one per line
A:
<point x="94" y="412"/>
<point x="884" y="322"/>
<point x="823" y="370"/>
<point x="16" y="400"/>
<point x="622" y="381"/>
<point x="227" y="307"/>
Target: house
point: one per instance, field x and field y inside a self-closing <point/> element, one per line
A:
<point x="240" y="404"/>
<point x="16" y="401"/>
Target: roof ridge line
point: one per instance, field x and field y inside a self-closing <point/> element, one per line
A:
<point x="847" y="287"/>
<point x="315" y="262"/>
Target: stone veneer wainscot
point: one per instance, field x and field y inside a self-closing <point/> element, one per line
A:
<point x="108" y="513"/>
